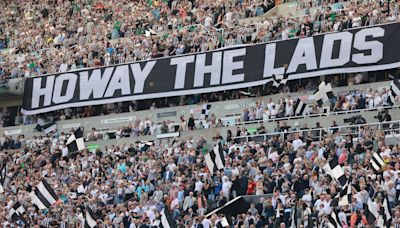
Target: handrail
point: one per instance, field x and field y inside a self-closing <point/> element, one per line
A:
<point x="326" y="129"/>
<point x="333" y="113"/>
<point x="275" y="119"/>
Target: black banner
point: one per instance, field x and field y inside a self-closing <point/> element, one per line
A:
<point x="355" y="50"/>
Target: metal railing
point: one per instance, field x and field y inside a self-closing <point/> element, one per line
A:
<point x="389" y="127"/>
<point x="333" y="113"/>
<point x="242" y="123"/>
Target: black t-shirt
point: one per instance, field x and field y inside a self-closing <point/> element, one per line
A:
<point x="270" y="186"/>
<point x="369" y="144"/>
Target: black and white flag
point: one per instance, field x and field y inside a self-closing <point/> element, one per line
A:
<point x="300" y="108"/>
<point x="385" y="218"/>
<point x="144" y="145"/>
<point x="394" y="91"/>
<point x="293" y="217"/>
<point x="150" y="32"/>
<point x="247" y="93"/>
<point x="45" y="126"/>
<point x="90" y="218"/>
<point x="222" y="223"/>
<point x="323" y="93"/>
<point x="343" y="198"/>
<point x="279" y="81"/>
<point x="377" y="162"/>
<point x="371" y="212"/>
<point x="333" y="221"/>
<point x="82" y="188"/>
<point x="43" y="196"/>
<point x="17" y="212"/>
<point x="334" y="169"/>
<point x="205" y="111"/>
<point x="76" y="142"/>
<point x="3" y="175"/>
<point x="166" y="219"/>
<point x="387" y="212"/>
<point x="215" y="159"/>
<point x="50" y="127"/>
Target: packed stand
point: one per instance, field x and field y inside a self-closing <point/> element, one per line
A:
<point x="344" y="101"/>
<point x="57" y="36"/>
<point x="61" y="36"/>
<point x="301" y="86"/>
<point x="128" y="186"/>
<point x="264" y="111"/>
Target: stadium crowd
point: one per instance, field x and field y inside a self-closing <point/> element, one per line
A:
<point x="281" y="108"/>
<point x="263" y="111"/>
<point x="58" y="36"/>
<point x="96" y="33"/>
<point x="128" y="185"/>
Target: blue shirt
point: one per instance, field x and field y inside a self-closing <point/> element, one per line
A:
<point x="110" y="50"/>
<point x="181" y="196"/>
<point x="259" y="11"/>
<point x="156" y="14"/>
<point x="122" y="167"/>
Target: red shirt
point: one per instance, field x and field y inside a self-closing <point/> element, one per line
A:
<point x="251" y="186"/>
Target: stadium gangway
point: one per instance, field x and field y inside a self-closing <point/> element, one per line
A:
<point x="389" y="128"/>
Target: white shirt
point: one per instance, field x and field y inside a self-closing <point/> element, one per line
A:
<point x="270" y="105"/>
<point x="259" y="113"/>
<point x="228" y="18"/>
<point x="206" y="223"/>
<point x="285" y="34"/>
<point x="63" y="68"/>
<point x="153" y="129"/>
<point x="151" y="215"/>
<point x="317" y="203"/>
<point x="321" y="152"/>
<point x="64" y="152"/>
<point x="273" y="156"/>
<point x="208" y="21"/>
<point x="356" y="21"/>
<point x="274" y="112"/>
<point x="198" y="186"/>
<point x="297" y="144"/>
<point x="289" y="110"/>
<point x="377" y="101"/>
<point x="104" y="198"/>
<point x="226" y="186"/>
<point x="307" y="198"/>
<point x="371" y="103"/>
<point x="342" y="217"/>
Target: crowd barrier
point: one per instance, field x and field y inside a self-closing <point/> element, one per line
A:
<point x="390" y="128"/>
